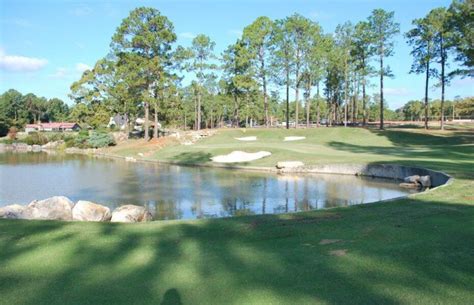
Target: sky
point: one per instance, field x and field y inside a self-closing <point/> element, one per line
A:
<point x="45" y="45"/>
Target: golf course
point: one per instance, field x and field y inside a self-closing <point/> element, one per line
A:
<point x="415" y="250"/>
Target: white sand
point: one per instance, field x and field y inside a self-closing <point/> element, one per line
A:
<point x="240" y="156"/>
<point x="294" y="138"/>
<point x="247" y="139"/>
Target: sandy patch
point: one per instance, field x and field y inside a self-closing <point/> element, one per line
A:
<point x="339" y="252"/>
<point x="240" y="156"/>
<point x="293" y="138"/>
<point x="329" y="241"/>
<point x="247" y="139"/>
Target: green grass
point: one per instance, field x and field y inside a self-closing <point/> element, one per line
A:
<point x="417" y="250"/>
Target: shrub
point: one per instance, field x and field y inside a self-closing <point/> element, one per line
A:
<point x="6" y="141"/>
<point x="100" y="139"/>
<point x="81" y="139"/>
<point x="12" y="133"/>
<point x="35" y="138"/>
<point x="55" y="136"/>
<point x="69" y="140"/>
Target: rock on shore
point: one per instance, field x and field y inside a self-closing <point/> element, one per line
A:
<point x="131" y="213"/>
<point x="54" y="208"/>
<point x="89" y="211"/>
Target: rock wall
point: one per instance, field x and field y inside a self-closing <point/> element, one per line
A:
<point x="391" y="171"/>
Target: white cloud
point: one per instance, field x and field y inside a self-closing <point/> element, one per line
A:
<point x="60" y="73"/>
<point x="80" y="67"/>
<point x="397" y="91"/>
<point x="237" y="33"/>
<point x="187" y="35"/>
<point x="17" y="63"/>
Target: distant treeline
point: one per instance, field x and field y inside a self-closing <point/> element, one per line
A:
<point x="17" y="110"/>
<point x="329" y="73"/>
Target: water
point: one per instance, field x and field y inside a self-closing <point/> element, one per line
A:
<point x="176" y="192"/>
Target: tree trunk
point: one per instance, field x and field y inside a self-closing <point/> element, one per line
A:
<point x="195" y="113"/>
<point x="346" y="93"/>
<point x="199" y="110"/>
<point x="264" y="85"/>
<point x="297" y="91"/>
<point x="147" y="136"/>
<point x="443" y="62"/>
<point x="364" y="103"/>
<point x="236" y="112"/>
<point x="287" y="98"/>
<point x="308" y="102"/>
<point x="426" y="92"/>
<point x="155" y="128"/>
<point x="317" y="106"/>
<point x="381" y="90"/>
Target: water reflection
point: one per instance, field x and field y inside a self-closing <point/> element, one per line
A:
<point x="173" y="192"/>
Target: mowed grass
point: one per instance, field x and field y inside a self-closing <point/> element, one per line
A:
<point x="418" y="250"/>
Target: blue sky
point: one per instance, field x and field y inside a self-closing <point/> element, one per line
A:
<point x="45" y="45"/>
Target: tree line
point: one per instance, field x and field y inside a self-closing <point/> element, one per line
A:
<point x="329" y="73"/>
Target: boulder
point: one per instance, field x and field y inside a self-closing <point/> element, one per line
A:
<point x="409" y="185"/>
<point x="289" y="164"/>
<point x="425" y="181"/>
<point x="21" y="147"/>
<point x="412" y="179"/>
<point x="131" y="213"/>
<point x="54" y="208"/>
<point x="14" y="211"/>
<point x="89" y="211"/>
<point x="36" y="148"/>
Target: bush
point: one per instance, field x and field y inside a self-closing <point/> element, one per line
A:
<point x="55" y="136"/>
<point x="12" y="133"/>
<point x="35" y="138"/>
<point x="100" y="139"/>
<point x="6" y="141"/>
<point x="69" y="140"/>
<point x="80" y="140"/>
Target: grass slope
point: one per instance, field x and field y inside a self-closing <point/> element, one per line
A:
<point x="417" y="250"/>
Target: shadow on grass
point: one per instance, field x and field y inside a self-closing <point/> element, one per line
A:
<point x="192" y="158"/>
<point x="450" y="153"/>
<point x="400" y="252"/>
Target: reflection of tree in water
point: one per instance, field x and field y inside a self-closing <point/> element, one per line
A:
<point x="174" y="192"/>
<point x="168" y="209"/>
<point x="264" y="195"/>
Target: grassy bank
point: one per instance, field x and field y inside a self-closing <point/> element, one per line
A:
<point x="417" y="250"/>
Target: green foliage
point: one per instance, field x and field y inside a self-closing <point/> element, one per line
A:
<point x="81" y="139"/>
<point x="35" y="138"/>
<point x="100" y="139"/>
<point x="70" y="140"/>
<point x="461" y="26"/>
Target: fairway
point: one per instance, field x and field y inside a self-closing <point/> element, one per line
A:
<point x="416" y="250"/>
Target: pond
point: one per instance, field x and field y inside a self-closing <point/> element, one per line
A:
<point x="177" y="192"/>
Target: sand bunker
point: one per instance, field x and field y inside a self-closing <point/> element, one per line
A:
<point x="240" y="156"/>
<point x="247" y="139"/>
<point x="294" y="138"/>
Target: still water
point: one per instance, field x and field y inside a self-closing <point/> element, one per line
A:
<point x="176" y="192"/>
